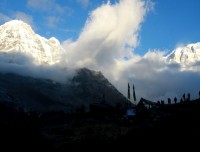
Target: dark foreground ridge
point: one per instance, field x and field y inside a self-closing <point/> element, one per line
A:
<point x="167" y="124"/>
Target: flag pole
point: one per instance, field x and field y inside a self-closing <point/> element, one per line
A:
<point x="129" y="96"/>
<point x="128" y="91"/>
<point x="134" y="96"/>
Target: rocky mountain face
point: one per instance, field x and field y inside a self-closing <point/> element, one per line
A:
<point x="17" y="36"/>
<point x="43" y="95"/>
<point x="186" y="54"/>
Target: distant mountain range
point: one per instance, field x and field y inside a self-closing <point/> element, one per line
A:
<point x="85" y="88"/>
<point x="17" y="36"/>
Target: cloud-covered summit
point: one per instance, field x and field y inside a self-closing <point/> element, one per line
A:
<point x="107" y="42"/>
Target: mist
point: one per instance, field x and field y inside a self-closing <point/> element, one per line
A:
<point x="107" y="43"/>
<point x="25" y="65"/>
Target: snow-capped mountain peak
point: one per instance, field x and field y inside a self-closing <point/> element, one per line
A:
<point x="18" y="36"/>
<point x="185" y="54"/>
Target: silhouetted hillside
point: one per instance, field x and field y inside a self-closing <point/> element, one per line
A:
<point x="43" y="95"/>
<point x="172" y="125"/>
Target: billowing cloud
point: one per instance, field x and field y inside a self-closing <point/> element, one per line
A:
<point x="154" y="78"/>
<point x="107" y="43"/>
<point x="110" y="34"/>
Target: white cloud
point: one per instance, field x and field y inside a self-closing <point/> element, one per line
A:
<point x="155" y="79"/>
<point x="84" y="3"/>
<point x="53" y="11"/>
<point x="16" y="62"/>
<point x="43" y="5"/>
<point x="24" y="17"/>
<point x="110" y="35"/>
<point x="49" y="6"/>
<point x="52" y="21"/>
<point x="4" y="18"/>
<point x="59" y="9"/>
<point x="17" y="15"/>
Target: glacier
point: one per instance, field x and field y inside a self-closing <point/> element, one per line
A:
<point x="17" y="36"/>
<point x="185" y="54"/>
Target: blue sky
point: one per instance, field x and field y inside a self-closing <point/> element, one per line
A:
<point x="99" y="35"/>
<point x="172" y="22"/>
<point x="62" y="19"/>
<point x="168" y="24"/>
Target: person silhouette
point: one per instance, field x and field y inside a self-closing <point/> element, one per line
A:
<point x="169" y="101"/>
<point x="175" y="100"/>
<point x="188" y="96"/>
<point x="184" y="96"/>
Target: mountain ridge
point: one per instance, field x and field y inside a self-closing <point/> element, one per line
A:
<point x="185" y="54"/>
<point x="42" y="95"/>
<point x="18" y="36"/>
